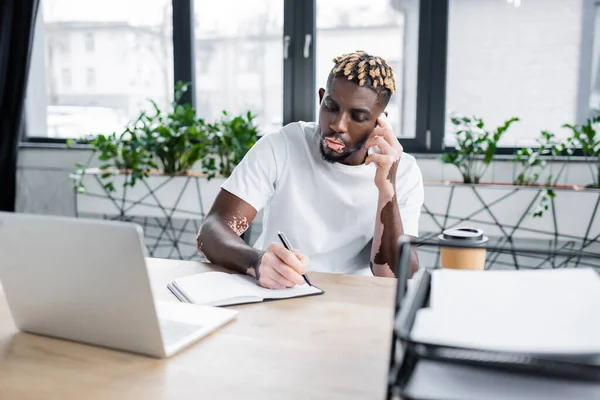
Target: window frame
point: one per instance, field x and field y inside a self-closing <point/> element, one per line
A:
<point x="184" y="48"/>
<point x="299" y="75"/>
<point x="586" y="59"/>
<point x="431" y="78"/>
<point x="299" y="72"/>
<point x="89" y="42"/>
<point x="582" y="110"/>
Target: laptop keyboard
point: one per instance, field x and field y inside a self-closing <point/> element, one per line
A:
<point x="174" y="331"/>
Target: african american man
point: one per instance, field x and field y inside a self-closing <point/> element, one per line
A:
<point x="341" y="190"/>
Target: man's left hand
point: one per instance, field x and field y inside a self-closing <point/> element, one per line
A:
<point x="387" y="161"/>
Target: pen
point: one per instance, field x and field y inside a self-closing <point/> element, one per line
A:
<point x="287" y="245"/>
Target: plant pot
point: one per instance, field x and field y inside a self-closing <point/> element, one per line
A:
<point x="170" y="208"/>
<point x="158" y="195"/>
<point x="506" y="210"/>
<point x="505" y="213"/>
<point x="510" y="184"/>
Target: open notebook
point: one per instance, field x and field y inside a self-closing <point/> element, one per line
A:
<point x="223" y="289"/>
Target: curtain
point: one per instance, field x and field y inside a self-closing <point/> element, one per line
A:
<point x="17" y="21"/>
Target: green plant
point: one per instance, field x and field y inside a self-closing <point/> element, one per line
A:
<point x="177" y="140"/>
<point x="173" y="142"/>
<point x="475" y="146"/>
<point x="229" y="140"/>
<point x="533" y="161"/>
<point x="118" y="152"/>
<point x="588" y="139"/>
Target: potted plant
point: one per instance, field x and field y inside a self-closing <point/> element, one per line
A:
<point x="228" y="141"/>
<point x="155" y="143"/>
<point x="510" y="211"/>
<point x="475" y="146"/>
<point x="164" y="169"/>
<point x="587" y="138"/>
<point x="533" y="162"/>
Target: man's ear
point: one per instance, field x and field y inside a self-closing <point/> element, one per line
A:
<point x="321" y="94"/>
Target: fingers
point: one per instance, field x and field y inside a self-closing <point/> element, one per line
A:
<point x="271" y="277"/>
<point x="276" y="271"/>
<point x="288" y="275"/>
<point x="303" y="259"/>
<point x="382" y="160"/>
<point x="380" y="142"/>
<point x="383" y="121"/>
<point x="269" y="283"/>
<point x="384" y="129"/>
<point x="287" y="257"/>
<point x="388" y="144"/>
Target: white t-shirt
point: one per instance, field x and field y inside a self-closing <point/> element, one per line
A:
<point x="326" y="210"/>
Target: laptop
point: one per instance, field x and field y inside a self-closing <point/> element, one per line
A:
<point x="86" y="280"/>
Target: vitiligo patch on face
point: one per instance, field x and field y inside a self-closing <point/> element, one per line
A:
<point x="238" y="224"/>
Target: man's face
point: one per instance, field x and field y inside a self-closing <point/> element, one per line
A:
<point x="347" y="116"/>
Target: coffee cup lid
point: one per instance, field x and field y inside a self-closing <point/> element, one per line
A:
<point x="465" y="235"/>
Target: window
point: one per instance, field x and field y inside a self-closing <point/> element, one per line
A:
<point x="248" y="58"/>
<point x="506" y="61"/>
<point x="204" y="53"/>
<point x="89" y="42"/>
<point x="120" y="54"/>
<point x="222" y="70"/>
<point x="382" y="28"/>
<point x="66" y="77"/>
<point x="63" y="46"/>
<point x="89" y="92"/>
<point x="138" y="40"/>
<point x="90" y="77"/>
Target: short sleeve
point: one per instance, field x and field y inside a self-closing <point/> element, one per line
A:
<point x="410" y="197"/>
<point x="253" y="179"/>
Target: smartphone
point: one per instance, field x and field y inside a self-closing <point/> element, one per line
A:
<point x="373" y="149"/>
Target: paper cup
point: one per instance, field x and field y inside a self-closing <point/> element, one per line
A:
<point x="463" y="258"/>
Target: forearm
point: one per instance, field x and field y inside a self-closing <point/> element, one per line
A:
<point x="388" y="228"/>
<point x="221" y="245"/>
<point x="388" y="223"/>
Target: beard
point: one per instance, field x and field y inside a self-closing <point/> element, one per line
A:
<point x="332" y="157"/>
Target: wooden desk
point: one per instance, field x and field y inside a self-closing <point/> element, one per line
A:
<point x="333" y="346"/>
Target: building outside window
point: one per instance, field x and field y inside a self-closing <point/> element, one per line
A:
<point x="506" y="61"/>
<point x="89" y="42"/>
<point x="108" y="32"/>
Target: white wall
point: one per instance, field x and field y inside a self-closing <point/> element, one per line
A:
<point x="43" y="183"/>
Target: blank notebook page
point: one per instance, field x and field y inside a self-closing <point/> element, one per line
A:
<point x="211" y="287"/>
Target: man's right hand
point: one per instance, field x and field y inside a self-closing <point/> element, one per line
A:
<point x="280" y="268"/>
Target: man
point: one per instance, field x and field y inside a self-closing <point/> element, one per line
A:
<point x="342" y="190"/>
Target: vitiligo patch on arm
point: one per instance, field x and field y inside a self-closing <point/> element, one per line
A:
<point x="238" y="223"/>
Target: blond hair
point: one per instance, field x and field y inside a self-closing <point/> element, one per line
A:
<point x="365" y="70"/>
